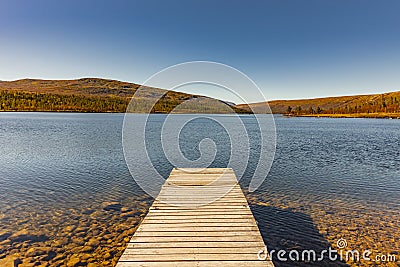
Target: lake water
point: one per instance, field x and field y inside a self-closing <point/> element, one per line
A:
<point x="60" y="174"/>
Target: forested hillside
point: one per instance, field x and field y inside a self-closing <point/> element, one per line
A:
<point x="100" y="95"/>
<point x="383" y="104"/>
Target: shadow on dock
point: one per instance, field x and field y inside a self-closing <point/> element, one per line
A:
<point x="284" y="229"/>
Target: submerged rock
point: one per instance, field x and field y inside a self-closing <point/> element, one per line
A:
<point x="93" y="242"/>
<point x="36" y="251"/>
<point x="5" y="242"/>
<point x="50" y="255"/>
<point x="88" y="211"/>
<point x="130" y="214"/>
<point x="107" y="255"/>
<point x="69" y="228"/>
<point x="74" y="261"/>
<point x="10" y="261"/>
<point x="111" y="206"/>
<point x="125" y="209"/>
<point x="24" y="235"/>
<point x="4" y="235"/>
<point x="62" y="241"/>
<point x="87" y="249"/>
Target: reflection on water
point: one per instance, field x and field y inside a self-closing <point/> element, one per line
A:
<point x="66" y="195"/>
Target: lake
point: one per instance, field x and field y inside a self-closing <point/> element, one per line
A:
<point x="66" y="194"/>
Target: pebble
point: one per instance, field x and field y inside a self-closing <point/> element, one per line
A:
<point x="130" y="214"/>
<point x="93" y="242"/>
<point x="73" y="261"/>
<point x="124" y="209"/>
<point x="87" y="249"/>
<point x="36" y="251"/>
<point x="61" y="241"/>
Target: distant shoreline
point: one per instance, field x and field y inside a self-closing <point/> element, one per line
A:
<point x="118" y="112"/>
<point x="351" y="115"/>
<point x="344" y="116"/>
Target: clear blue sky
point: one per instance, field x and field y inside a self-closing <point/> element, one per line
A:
<point x="291" y="49"/>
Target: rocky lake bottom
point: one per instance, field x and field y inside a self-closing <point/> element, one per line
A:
<point x="97" y="235"/>
<point x="90" y="236"/>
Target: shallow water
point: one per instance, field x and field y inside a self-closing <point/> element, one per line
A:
<point x="331" y="179"/>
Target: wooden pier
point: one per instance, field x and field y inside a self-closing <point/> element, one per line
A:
<point x="200" y="218"/>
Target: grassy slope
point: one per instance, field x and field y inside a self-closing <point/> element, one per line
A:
<point x="388" y="103"/>
<point x="97" y="95"/>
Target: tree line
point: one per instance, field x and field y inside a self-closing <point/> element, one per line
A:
<point x="30" y="101"/>
<point x="382" y="105"/>
<point x="12" y="100"/>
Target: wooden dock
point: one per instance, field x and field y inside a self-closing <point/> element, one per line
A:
<point x="200" y="218"/>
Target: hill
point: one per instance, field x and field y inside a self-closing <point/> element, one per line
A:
<point x="377" y="105"/>
<point x="100" y="95"/>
